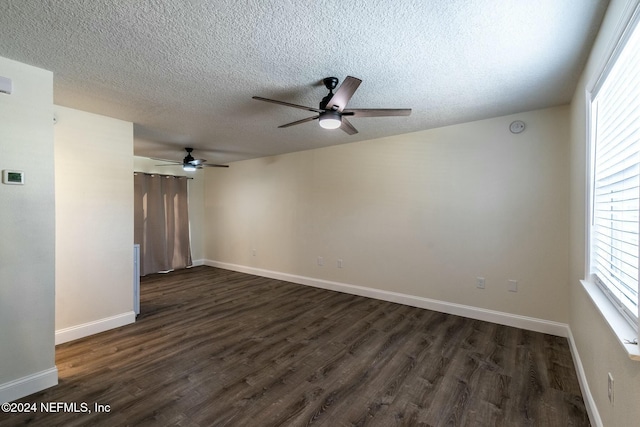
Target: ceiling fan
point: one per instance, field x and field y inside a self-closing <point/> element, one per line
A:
<point x="189" y="164"/>
<point x="332" y="113"/>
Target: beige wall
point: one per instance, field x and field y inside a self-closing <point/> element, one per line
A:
<point x="94" y="223"/>
<point x="196" y="202"/>
<point x="598" y="348"/>
<point x="421" y="214"/>
<point x="27" y="233"/>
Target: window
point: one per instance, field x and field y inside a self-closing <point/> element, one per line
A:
<point x="615" y="176"/>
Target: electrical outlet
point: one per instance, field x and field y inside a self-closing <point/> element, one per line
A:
<point x="253" y="252"/>
<point x="513" y="286"/>
<point x="610" y="387"/>
<point x="320" y="261"/>
<point x="340" y="263"/>
<point x="480" y="282"/>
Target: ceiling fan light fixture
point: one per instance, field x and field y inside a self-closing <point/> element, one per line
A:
<point x="187" y="167"/>
<point x="330" y="120"/>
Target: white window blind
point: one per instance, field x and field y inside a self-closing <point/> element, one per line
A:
<point x="615" y="224"/>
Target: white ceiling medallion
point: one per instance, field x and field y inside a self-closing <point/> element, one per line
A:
<point x="517" y="126"/>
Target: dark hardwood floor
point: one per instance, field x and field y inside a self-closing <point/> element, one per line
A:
<point x="213" y="347"/>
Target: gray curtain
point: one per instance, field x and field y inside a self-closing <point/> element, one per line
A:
<point x="161" y="222"/>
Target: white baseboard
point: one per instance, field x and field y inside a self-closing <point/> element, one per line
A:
<point x="197" y="262"/>
<point x="30" y="384"/>
<point x="587" y="397"/>
<point x="95" y="327"/>
<point x="508" y="319"/>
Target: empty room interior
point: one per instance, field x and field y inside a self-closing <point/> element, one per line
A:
<point x="371" y="213"/>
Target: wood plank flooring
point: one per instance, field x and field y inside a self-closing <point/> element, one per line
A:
<point x="213" y="347"/>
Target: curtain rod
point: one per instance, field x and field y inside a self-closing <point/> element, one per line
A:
<point x="160" y="174"/>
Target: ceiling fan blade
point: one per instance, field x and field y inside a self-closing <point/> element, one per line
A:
<point x="173" y="164"/>
<point x="297" y="122"/>
<point x="216" y="166"/>
<point x="344" y="93"/>
<point x="348" y="127"/>
<point x="165" y="160"/>
<point x="377" y="112"/>
<point x="287" y="104"/>
<point x="197" y="162"/>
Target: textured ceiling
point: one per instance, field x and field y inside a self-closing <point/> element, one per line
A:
<point x="184" y="71"/>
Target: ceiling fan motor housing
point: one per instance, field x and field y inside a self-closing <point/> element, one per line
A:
<point x="325" y="101"/>
<point x="188" y="158"/>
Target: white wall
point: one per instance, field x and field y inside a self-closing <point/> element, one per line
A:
<point x="94" y="223"/>
<point x="598" y="348"/>
<point x="27" y="233"/>
<point x="420" y="214"/>
<point x="196" y="202"/>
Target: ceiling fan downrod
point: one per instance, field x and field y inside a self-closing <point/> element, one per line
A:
<point x="330" y="83"/>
